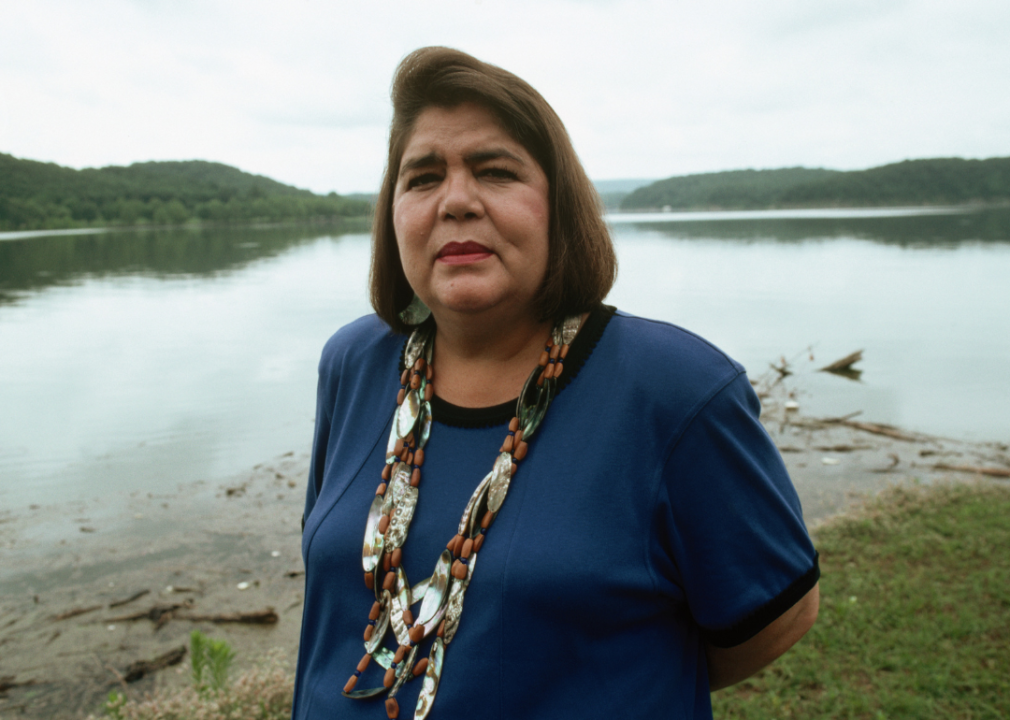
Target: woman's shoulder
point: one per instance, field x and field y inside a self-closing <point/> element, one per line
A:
<point x="669" y="350"/>
<point x="359" y="340"/>
<point x="662" y="380"/>
<point x="654" y="377"/>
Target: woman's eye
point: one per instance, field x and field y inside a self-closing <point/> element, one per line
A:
<point x="499" y="173"/>
<point x="423" y="179"/>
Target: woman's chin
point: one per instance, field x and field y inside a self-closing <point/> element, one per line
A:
<point x="468" y="306"/>
<point x="485" y="294"/>
<point x="473" y="303"/>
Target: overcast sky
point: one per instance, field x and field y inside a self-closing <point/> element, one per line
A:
<point x="299" y="90"/>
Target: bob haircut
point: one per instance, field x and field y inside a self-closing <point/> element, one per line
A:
<point x="581" y="263"/>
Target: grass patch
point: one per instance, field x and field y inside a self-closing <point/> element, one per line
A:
<point x="914" y="619"/>
<point x="261" y="693"/>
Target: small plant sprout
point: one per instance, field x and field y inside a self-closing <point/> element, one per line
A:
<point x="210" y="659"/>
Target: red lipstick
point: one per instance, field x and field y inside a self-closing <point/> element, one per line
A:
<point x="455" y="253"/>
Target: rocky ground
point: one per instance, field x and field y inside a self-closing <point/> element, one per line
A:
<point x="87" y="591"/>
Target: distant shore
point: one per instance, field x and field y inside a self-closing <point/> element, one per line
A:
<point x="233" y="547"/>
<point x="357" y="223"/>
<point x="40" y="196"/>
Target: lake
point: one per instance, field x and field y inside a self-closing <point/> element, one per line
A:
<point x="135" y="361"/>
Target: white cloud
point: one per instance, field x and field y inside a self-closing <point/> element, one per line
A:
<point x="299" y="91"/>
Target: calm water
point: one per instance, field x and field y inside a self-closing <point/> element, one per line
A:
<point x="137" y="361"/>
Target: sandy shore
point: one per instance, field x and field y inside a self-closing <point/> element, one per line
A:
<point x="234" y="547"/>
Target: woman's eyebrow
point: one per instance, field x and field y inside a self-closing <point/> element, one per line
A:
<point x="474" y="158"/>
<point x="419" y="162"/>
<point x="492" y="154"/>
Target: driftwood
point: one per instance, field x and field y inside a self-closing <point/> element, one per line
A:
<point x="125" y="601"/>
<point x="136" y="670"/>
<point x="881" y="429"/>
<point x="991" y="471"/>
<point x="9" y="682"/>
<point x="159" y="614"/>
<point x="845" y="364"/>
<point x="258" y="617"/>
<point x="782" y="368"/>
<point x="842" y="448"/>
<point x="895" y="460"/>
<point x="875" y="428"/>
<point x="74" y="612"/>
<point x="819" y="423"/>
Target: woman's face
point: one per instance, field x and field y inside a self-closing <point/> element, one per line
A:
<point x="471" y="214"/>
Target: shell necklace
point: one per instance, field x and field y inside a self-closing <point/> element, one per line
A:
<point x="440" y="595"/>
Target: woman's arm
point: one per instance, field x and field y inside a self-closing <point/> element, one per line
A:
<point x="728" y="666"/>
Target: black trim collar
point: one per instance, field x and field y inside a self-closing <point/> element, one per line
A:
<point x="580" y="350"/>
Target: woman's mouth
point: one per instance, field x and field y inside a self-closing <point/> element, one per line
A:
<point x="455" y="253"/>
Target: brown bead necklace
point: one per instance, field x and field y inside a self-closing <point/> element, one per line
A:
<point x="440" y="595"/>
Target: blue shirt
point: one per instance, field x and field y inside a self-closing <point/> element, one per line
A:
<point x="652" y="514"/>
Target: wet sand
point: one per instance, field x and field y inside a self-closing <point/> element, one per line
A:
<point x="234" y="547"/>
<point x="195" y="546"/>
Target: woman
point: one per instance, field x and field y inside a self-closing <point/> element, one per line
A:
<point x="639" y="540"/>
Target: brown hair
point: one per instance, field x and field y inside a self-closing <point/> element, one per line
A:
<point x="581" y="263"/>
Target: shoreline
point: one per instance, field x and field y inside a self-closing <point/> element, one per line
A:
<point x="233" y="547"/>
<point x="346" y="224"/>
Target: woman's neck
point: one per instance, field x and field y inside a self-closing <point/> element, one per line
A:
<point x="480" y="363"/>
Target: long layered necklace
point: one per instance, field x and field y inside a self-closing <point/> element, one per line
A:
<point x="440" y="595"/>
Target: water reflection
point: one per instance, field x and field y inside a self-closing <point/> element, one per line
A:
<point x="32" y="264"/>
<point x="928" y="230"/>
<point x="175" y="356"/>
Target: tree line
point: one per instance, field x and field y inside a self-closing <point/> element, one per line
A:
<point x="36" y="195"/>
<point x="938" y="181"/>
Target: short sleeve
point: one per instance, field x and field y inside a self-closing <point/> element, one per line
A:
<point x="326" y="391"/>
<point x="732" y="523"/>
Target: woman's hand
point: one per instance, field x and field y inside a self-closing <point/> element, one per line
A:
<point x="728" y="666"/>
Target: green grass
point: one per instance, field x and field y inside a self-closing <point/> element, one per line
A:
<point x="263" y="692"/>
<point x="914" y="619"/>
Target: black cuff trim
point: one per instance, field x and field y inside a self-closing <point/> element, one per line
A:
<point x="766" y="614"/>
<point x="581" y="348"/>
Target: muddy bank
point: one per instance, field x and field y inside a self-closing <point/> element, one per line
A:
<point x="227" y="551"/>
<point x="89" y="589"/>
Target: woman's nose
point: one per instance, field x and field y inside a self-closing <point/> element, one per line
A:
<point x="461" y="199"/>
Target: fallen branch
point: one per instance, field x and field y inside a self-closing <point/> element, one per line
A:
<point x="843" y="418"/>
<point x="875" y="428"/>
<point x="819" y="423"/>
<point x="842" y="448"/>
<point x="845" y="364"/>
<point x="74" y="612"/>
<point x="130" y="599"/>
<point x="258" y="617"/>
<point x="136" y="670"/>
<point x="879" y="429"/>
<point x="782" y="368"/>
<point x="159" y="614"/>
<point x="890" y="468"/>
<point x="992" y="472"/>
<point x="120" y="680"/>
<point x="8" y="682"/>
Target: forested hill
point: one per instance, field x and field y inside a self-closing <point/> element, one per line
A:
<point x="941" y="181"/>
<point x="35" y="195"/>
